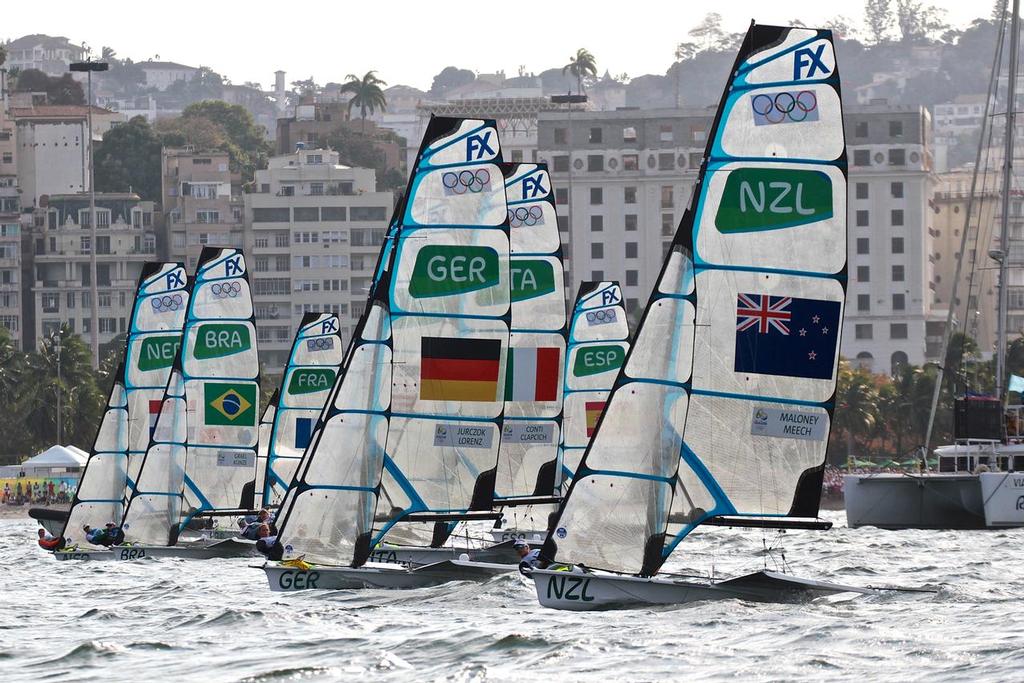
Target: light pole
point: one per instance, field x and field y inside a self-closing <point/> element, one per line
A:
<point x="88" y="67"/>
<point x="57" y="348"/>
<point x="570" y="100"/>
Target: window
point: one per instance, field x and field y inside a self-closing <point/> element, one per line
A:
<point x="897" y="331"/>
<point x="862" y="218"/>
<point x="665" y="132"/>
<point x="863" y="245"/>
<point x="862" y="190"/>
<point x="695" y="159"/>
<point x="596" y="223"/>
<point x="314" y="158"/>
<point x="863" y="302"/>
<point x="630" y="162"/>
<point x="632" y="278"/>
<point x="596" y="196"/>
<point x="861" y="157"/>
<point x="103" y="244"/>
<point x="629" y="195"/>
<point x="863" y="274"/>
<point x="275" y="285"/>
<point x="281" y="263"/>
<point x="207" y="216"/>
<point x="281" y="239"/>
<point x="561" y="195"/>
<point x="896" y="217"/>
<point x="629" y="134"/>
<point x="287" y="191"/>
<point x="897" y="245"/>
<point x="69" y="300"/>
<point x="667" y="197"/>
<point x="560" y="163"/>
<point x="368" y="213"/>
<point x="108" y="325"/>
<point x="631" y="249"/>
<point x="666" y="161"/>
<point x="630" y="222"/>
<point x="897" y="273"/>
<point x="563" y="224"/>
<point x="51" y="302"/>
<point x="668" y="225"/>
<point x="897" y="157"/>
<point x="861" y="129"/>
<point x="333" y="213"/>
<point x="282" y="215"/>
<point x="262" y="264"/>
<point x="863" y="331"/>
<point x="595" y="135"/>
<point x="561" y="137"/>
<point x="201" y="161"/>
<point x="899" y="302"/>
<point x="597" y="250"/>
<point x="104" y="299"/>
<point x="896" y="189"/>
<point x="307" y="214"/>
<point x="896" y="129"/>
<point x="595" y="162"/>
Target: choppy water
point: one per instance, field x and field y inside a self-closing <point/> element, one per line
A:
<point x="217" y="621"/>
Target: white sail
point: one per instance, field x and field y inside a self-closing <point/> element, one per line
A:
<point x="312" y="368"/>
<point x="266" y="429"/>
<point x="724" y="402"/>
<point x="202" y="456"/>
<point x="152" y="342"/>
<point x="528" y="455"/>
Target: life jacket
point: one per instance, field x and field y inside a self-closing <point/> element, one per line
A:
<point x="51" y="543"/>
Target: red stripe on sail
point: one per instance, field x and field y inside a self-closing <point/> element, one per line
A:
<point x="459" y="369"/>
<point x="548" y="360"/>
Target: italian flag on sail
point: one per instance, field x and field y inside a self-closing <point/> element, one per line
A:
<point x="532" y="374"/>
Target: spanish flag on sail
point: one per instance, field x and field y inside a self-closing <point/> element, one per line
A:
<point x="456" y="369"/>
<point x="594" y="410"/>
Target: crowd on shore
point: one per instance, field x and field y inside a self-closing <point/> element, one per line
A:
<point x="46" y="492"/>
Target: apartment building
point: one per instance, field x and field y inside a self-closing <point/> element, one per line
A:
<point x="202" y="203"/>
<point x="50" y="54"/>
<point x="622" y="179"/>
<point x="314" y="231"/>
<point x="10" y="230"/>
<point x="61" y="247"/>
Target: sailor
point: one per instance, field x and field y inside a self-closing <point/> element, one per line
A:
<point x="528" y="559"/>
<point x="248" y="528"/>
<point x="104" y="537"/>
<point x="48" y="542"/>
<point x="114" y="534"/>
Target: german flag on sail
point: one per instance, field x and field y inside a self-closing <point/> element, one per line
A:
<point x="594" y="410"/>
<point x="532" y="374"/>
<point x="459" y="369"/>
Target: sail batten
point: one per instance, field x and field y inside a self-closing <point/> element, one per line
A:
<point x="723" y="405"/>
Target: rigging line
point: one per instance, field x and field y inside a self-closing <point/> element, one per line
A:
<point x="959" y="262"/>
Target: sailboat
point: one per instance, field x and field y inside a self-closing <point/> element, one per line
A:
<point x="286" y="427"/>
<point x="201" y="459"/>
<point x="597" y="344"/>
<point x="721" y="410"/>
<point x="151" y="344"/>
<point x="419" y="404"/>
<point x="979" y="483"/>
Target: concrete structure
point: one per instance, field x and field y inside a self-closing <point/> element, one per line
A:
<point x="201" y="201"/>
<point x="49" y="54"/>
<point x="10" y="225"/>
<point x="61" y="247"/>
<point x="161" y="75"/>
<point x="314" y="231"/>
<point x="315" y="121"/>
<point x="52" y="156"/>
<point x="622" y="179"/>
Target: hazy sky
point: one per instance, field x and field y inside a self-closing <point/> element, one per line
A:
<point x="408" y="41"/>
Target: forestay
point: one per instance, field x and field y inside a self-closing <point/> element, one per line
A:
<point x="154" y="336"/>
<point x="312" y="368"/>
<point x="528" y="454"/>
<point x="598" y="343"/>
<point x="203" y="453"/>
<point x="449" y="303"/>
<point x="738" y="346"/>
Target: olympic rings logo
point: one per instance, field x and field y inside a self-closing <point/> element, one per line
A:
<point x="226" y="289"/>
<point x="785" y="107"/>
<point x="321" y="344"/>
<point x="166" y="303"/>
<point x="462" y="181"/>
<point x="521" y="216"/>
<point x="602" y="316"/>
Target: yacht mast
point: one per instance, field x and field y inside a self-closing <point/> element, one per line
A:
<point x="1011" y="104"/>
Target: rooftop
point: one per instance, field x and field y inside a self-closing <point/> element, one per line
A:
<point x="40" y="39"/>
<point x="164" y="65"/>
<point x="56" y="111"/>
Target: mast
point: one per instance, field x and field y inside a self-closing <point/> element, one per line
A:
<point x="1004" y="237"/>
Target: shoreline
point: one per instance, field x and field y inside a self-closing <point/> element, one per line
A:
<point x="21" y="511"/>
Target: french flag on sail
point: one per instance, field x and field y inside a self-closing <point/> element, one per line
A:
<point x="786" y="336"/>
<point x="154" y="413"/>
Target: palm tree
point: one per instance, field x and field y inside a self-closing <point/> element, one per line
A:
<point x="366" y="94"/>
<point x="581" y="64"/>
<point x="856" y="405"/>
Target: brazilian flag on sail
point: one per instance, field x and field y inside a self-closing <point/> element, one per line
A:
<point x="231" y="404"/>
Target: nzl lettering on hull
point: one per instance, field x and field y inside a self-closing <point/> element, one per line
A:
<point x="756" y="199"/>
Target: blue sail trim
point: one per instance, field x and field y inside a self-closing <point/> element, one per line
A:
<point x="766" y="399"/>
<point x="586" y="472"/>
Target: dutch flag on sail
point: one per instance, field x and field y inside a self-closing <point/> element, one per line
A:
<point x="787" y="336"/>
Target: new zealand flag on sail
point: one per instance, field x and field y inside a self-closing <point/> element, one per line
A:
<point x="783" y="335"/>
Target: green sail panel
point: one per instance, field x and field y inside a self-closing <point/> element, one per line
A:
<point x="152" y="342"/>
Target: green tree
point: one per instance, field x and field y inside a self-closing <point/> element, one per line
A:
<point x="366" y="94"/>
<point x="450" y="77"/>
<point x="12" y="386"/>
<point x="709" y="31"/>
<point x="879" y="19"/>
<point x="856" y="406"/>
<point x="59" y="89"/>
<point x="129" y="157"/>
<point x="581" y="65"/>
<point x="227" y="127"/>
<point x="917" y="22"/>
<point x="359" y="150"/>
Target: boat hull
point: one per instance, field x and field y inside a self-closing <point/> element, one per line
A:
<point x="914" y="501"/>
<point x="231" y="547"/>
<point x="578" y="591"/>
<point x="287" y="579"/>
<point x="533" y="537"/>
<point x="1003" y="496"/>
<point x="413" y="556"/>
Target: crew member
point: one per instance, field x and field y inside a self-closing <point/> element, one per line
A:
<point x="528" y="559"/>
<point x="48" y="542"/>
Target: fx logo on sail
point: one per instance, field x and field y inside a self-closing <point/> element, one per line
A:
<point x="478" y="145"/>
<point x="175" y="279"/>
<point x="533" y="186"/>
<point x="328" y="326"/>
<point x="811" y="60"/>
<point x="233" y="266"/>
<point x="610" y="296"/>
